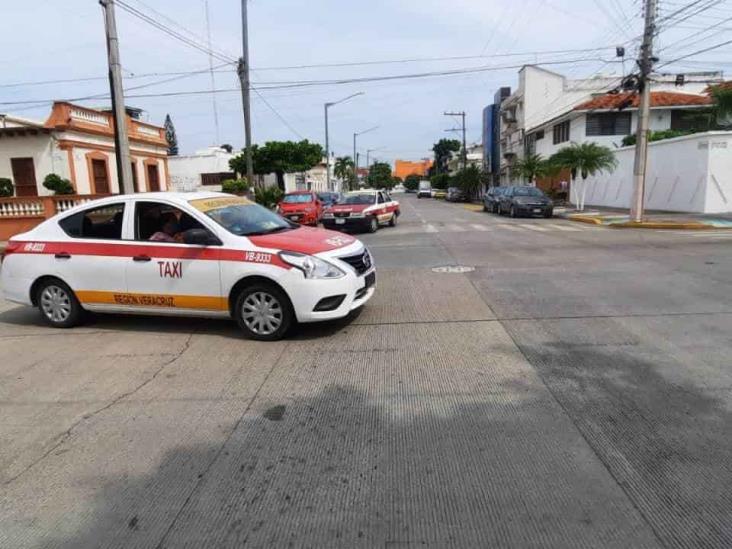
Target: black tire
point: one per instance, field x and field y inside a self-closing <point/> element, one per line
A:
<point x="57" y="304"/>
<point x="548" y="213"/>
<point x="393" y="220"/>
<point x="495" y="208"/>
<point x="278" y="304"/>
<point x="485" y="208"/>
<point x="373" y="224"/>
<point x="512" y="211"/>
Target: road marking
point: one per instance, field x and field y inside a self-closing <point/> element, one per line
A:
<point x="533" y="227"/>
<point x="456" y="228"/>
<point x="564" y="227"/>
<point x="430" y="228"/>
<point x="480" y="227"/>
<point x="511" y="227"/>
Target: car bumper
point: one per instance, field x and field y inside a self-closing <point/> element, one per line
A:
<point x="356" y="289"/>
<point x="524" y="209"/>
<point x="15" y="289"/>
<point x="302" y="218"/>
<point x="349" y="223"/>
<point x="427" y="194"/>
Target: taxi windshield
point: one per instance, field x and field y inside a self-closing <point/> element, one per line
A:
<point x="297" y="198"/>
<point x="358" y="198"/>
<point x="243" y="217"/>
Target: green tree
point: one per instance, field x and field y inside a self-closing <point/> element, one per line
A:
<point x="58" y="184"/>
<point x="440" y="181"/>
<point x="443" y="150"/>
<point x="280" y="157"/>
<point x="722" y="97"/>
<point x="6" y="187"/>
<point x="235" y="186"/>
<point x="532" y="166"/>
<point x="469" y="181"/>
<point x="343" y="170"/>
<point x="583" y="160"/>
<point x="411" y="182"/>
<point x="380" y="176"/>
<point x="170" y="136"/>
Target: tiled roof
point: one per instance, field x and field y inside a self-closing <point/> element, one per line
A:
<point x="724" y="85"/>
<point x="658" y="99"/>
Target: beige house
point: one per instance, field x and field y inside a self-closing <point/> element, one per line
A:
<point x="77" y="143"/>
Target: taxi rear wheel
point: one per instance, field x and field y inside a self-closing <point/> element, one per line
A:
<point x="58" y="304"/>
<point x="373" y="225"/>
<point x="264" y="312"/>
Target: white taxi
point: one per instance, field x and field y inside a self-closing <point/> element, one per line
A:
<point x="196" y="254"/>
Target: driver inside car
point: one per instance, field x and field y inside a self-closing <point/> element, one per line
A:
<point x="170" y="230"/>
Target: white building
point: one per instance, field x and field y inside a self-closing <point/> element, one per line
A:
<point x="543" y="100"/>
<point x="315" y="179"/>
<point x="205" y="169"/>
<point x="474" y="157"/>
<point x="77" y="143"/>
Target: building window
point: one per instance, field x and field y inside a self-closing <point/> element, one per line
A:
<point x="530" y="143"/>
<point x="539" y="135"/>
<point x="211" y="179"/>
<point x="99" y="176"/>
<point x="24" y="176"/>
<point x="561" y="132"/>
<point x="153" y="178"/>
<point x="692" y="120"/>
<point x="608" y="123"/>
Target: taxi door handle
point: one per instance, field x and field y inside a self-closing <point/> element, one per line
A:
<point x="62" y="255"/>
<point x="141" y="258"/>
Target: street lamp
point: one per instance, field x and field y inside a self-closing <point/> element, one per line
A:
<point x="368" y="154"/>
<point x="327" y="144"/>
<point x="355" y="158"/>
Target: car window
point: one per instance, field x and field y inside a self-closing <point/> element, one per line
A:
<point x="101" y="222"/>
<point x="528" y="191"/>
<point x="242" y="217"/>
<point x="357" y="198"/>
<point x="161" y="222"/>
<point x="297" y="198"/>
<point x="380" y="198"/>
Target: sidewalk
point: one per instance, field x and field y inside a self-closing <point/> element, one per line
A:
<point x="651" y="219"/>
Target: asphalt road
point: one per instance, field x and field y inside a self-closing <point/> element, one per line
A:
<point x="571" y="391"/>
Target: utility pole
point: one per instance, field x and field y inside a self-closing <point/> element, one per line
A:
<point x="213" y="78"/>
<point x="465" y="146"/>
<point x="645" y="63"/>
<point x="121" y="140"/>
<point x="243" y="70"/>
<point x="327" y="142"/>
<point x="355" y="154"/>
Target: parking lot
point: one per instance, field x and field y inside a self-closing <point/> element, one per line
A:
<point x="571" y="387"/>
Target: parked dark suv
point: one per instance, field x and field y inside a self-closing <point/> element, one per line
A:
<point x="523" y="200"/>
<point x="492" y="198"/>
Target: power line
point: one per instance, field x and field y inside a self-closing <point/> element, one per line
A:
<point x="704" y="50"/>
<point x="332" y="82"/>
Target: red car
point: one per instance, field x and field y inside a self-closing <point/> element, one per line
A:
<point x="303" y="207"/>
<point x="362" y="210"/>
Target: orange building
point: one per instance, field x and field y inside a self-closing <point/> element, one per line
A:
<point x="403" y="168"/>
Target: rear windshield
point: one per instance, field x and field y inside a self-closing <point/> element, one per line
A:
<point x="527" y="191"/>
<point x="242" y="217"/>
<point x="297" y="198"/>
<point x="359" y="198"/>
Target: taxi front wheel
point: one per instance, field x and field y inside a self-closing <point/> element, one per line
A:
<point x="58" y="304"/>
<point x="264" y="312"/>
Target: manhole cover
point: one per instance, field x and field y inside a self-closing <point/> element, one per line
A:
<point x="453" y="269"/>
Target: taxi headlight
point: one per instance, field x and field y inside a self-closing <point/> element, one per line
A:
<point x="311" y="266"/>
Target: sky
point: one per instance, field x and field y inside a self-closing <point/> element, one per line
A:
<point x="67" y="43"/>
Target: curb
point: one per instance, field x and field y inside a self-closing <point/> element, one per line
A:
<point x="585" y="219"/>
<point x="473" y="207"/>
<point x="678" y="225"/>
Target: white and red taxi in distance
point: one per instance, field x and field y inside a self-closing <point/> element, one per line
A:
<point x="197" y="254"/>
<point x="362" y="210"/>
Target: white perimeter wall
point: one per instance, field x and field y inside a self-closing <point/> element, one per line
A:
<point x="686" y="174"/>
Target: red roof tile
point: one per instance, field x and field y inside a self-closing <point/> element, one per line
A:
<point x="723" y="85"/>
<point x="658" y="99"/>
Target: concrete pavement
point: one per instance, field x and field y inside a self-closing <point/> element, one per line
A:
<point x="572" y="391"/>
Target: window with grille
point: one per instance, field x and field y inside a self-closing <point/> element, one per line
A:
<point x="561" y="132"/>
<point x="608" y="123"/>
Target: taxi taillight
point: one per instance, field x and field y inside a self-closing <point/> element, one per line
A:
<point x="9" y="249"/>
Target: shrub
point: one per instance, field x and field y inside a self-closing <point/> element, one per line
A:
<point x="411" y="182"/>
<point x="235" y="186"/>
<point x="441" y="181"/>
<point x="58" y="184"/>
<point x="6" y="187"/>
<point x="656" y="136"/>
<point x="268" y="197"/>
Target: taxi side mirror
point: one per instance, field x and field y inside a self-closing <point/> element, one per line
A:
<point x="200" y="237"/>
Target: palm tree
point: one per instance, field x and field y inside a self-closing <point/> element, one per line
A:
<point x="531" y="166"/>
<point x="343" y="168"/>
<point x="583" y="159"/>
